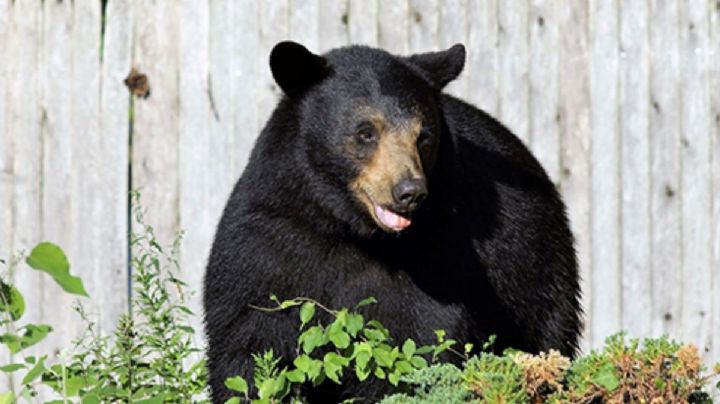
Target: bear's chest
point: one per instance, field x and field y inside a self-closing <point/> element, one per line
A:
<point x="416" y="295"/>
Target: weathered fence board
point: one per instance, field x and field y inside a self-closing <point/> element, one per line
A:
<point x="695" y="128"/>
<point x="25" y="119"/>
<point x="665" y="228"/>
<point x="619" y="100"/>
<point x="575" y="142"/>
<point x="513" y="69"/>
<point x="109" y="289"/>
<point x="714" y="64"/>
<point x="543" y="76"/>
<point x="636" y="277"/>
<point x="154" y="148"/>
<point x="6" y="174"/>
<point x="482" y="40"/>
<point x="59" y="135"/>
<point x="605" y="170"/>
<point x="195" y="132"/>
<point x="393" y="17"/>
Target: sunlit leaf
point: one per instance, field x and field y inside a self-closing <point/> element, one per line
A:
<point x="51" y="259"/>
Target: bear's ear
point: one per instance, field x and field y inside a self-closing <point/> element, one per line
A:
<point x="441" y="67"/>
<point x="295" y="68"/>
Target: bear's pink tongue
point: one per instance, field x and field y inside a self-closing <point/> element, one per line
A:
<point x="390" y="219"/>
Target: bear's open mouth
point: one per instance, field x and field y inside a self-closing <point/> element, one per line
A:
<point x="390" y="219"/>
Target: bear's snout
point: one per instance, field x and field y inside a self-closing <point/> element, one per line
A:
<point x="409" y="193"/>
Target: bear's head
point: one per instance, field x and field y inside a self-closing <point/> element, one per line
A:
<point x="369" y="123"/>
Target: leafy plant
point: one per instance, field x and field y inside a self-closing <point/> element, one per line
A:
<point x="152" y="357"/>
<point x="48" y="258"/>
<point x="350" y="346"/>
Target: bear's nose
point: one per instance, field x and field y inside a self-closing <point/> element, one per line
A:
<point x="409" y="193"/>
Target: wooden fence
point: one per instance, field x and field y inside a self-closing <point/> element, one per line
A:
<point x="620" y="100"/>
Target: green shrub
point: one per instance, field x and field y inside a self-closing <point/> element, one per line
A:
<point x="150" y="358"/>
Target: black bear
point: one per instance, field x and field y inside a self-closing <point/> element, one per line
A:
<point x="368" y="181"/>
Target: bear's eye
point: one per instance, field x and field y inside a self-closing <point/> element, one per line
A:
<point x="425" y="139"/>
<point x="366" y="134"/>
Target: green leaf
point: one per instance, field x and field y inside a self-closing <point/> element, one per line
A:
<point x="365" y="302"/>
<point x="91" y="398"/>
<point x="237" y="383"/>
<point x="302" y="362"/>
<point x="7" y="398"/>
<point x="382" y="356"/>
<point x="374" y="335"/>
<point x="12" y="367"/>
<point x="11" y="301"/>
<point x="36" y="371"/>
<point x="403" y="367"/>
<point x="408" y="348"/>
<point x="295" y="376"/>
<point x="74" y="384"/>
<point x="379" y="373"/>
<point x="234" y="400"/>
<point x="424" y="350"/>
<point x="362" y="354"/>
<point x="333" y="364"/>
<point x="362" y="373"/>
<point x="440" y="334"/>
<point x="33" y="333"/>
<point x="51" y="259"/>
<point x="419" y="362"/>
<point x="394" y="378"/>
<point x="307" y="311"/>
<point x="312" y="338"/>
<point x="315" y="370"/>
<point x="354" y="324"/>
<point x="605" y="377"/>
<point x="340" y="339"/>
<point x="152" y="400"/>
<point x="267" y="388"/>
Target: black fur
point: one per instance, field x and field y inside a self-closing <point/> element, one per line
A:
<point x="489" y="251"/>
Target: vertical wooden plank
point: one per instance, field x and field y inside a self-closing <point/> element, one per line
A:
<point x="110" y="287"/>
<point x="274" y="27"/>
<point x="333" y="21"/>
<point x="155" y="127"/>
<point x="635" y="168"/>
<point x="605" y="175"/>
<point x="452" y="30"/>
<point x="6" y="155"/>
<point x="195" y="158"/>
<point x="715" y="190"/>
<point x="363" y="22"/>
<point x="304" y="23"/>
<point x="6" y="158"/>
<point x="56" y="81"/>
<point x="575" y="141"/>
<point x="221" y="80"/>
<point x="98" y="243"/>
<point x="665" y="167"/>
<point x="393" y="26"/>
<point x="423" y="26"/>
<point x="513" y="79"/>
<point x="250" y="67"/>
<point x="695" y="127"/>
<point x="482" y="66"/>
<point x="544" y="79"/>
<point x="24" y="125"/>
